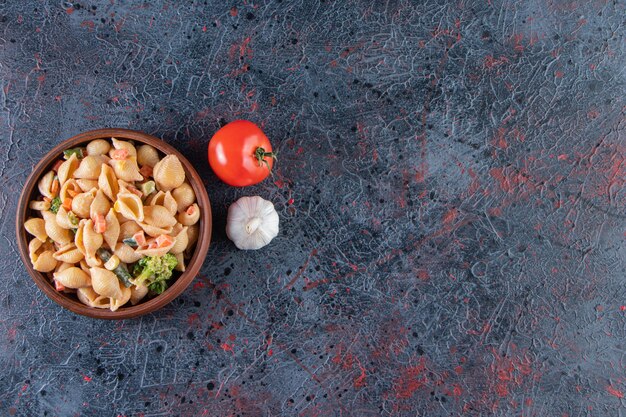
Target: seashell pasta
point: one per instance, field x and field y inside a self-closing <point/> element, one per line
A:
<point x="112" y="222"/>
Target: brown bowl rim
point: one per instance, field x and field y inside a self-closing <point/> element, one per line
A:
<point x="183" y="281"/>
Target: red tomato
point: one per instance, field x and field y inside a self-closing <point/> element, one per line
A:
<point x="240" y="154"/>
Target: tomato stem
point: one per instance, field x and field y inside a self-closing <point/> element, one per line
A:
<point x="260" y="156"/>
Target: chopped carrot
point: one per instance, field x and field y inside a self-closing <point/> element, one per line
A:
<point x="146" y="171"/>
<point x="58" y="286"/>
<point x="164" y="240"/>
<point x="54" y="188"/>
<point x="119" y="154"/>
<point x="72" y="193"/>
<point x="47" y="199"/>
<point x="190" y="210"/>
<point x="140" y="238"/>
<point x="153" y="244"/>
<point x="67" y="204"/>
<point x="57" y="164"/>
<point x="100" y="224"/>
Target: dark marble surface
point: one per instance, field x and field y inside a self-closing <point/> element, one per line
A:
<point x="450" y="187"/>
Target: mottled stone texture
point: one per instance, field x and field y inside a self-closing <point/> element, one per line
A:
<point x="450" y="185"/>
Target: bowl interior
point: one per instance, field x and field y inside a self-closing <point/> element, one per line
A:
<point x="70" y="301"/>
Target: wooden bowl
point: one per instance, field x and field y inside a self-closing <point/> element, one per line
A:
<point x="70" y="301"/>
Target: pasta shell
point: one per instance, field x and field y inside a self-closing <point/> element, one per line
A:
<point x="69" y="189"/>
<point x="155" y="251"/>
<point x="192" y="234"/>
<point x="180" y="266"/>
<point x="158" y="216"/>
<point x="92" y="261"/>
<point x="137" y="292"/>
<point x="104" y="282"/>
<point x="90" y="167"/>
<point x="91" y="239"/>
<point x="155" y="231"/>
<point x="91" y="298"/>
<point x="67" y="168"/>
<point x="190" y="216"/>
<point x="116" y="303"/>
<point x="36" y="227"/>
<point x="39" y="205"/>
<point x="126" y="253"/>
<point x="98" y="147"/>
<point x="100" y="205"/>
<point x="181" y="242"/>
<point x="63" y="219"/>
<point x="166" y="200"/>
<point x="126" y="169"/>
<point x="122" y="144"/>
<point x="73" y="278"/>
<point x="86" y="185"/>
<point x="81" y="204"/>
<point x="78" y="237"/>
<point x="184" y="196"/>
<point x="54" y="231"/>
<point x="169" y="173"/>
<point x="147" y="155"/>
<point x="45" y="262"/>
<point x="62" y="266"/>
<point x="45" y="184"/>
<point x="69" y="254"/>
<point x="113" y="229"/>
<point x="84" y="266"/>
<point x="107" y="181"/>
<point x="34" y="247"/>
<point x="128" y="229"/>
<point x="130" y="206"/>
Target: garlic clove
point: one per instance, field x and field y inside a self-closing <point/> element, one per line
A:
<point x="252" y="223"/>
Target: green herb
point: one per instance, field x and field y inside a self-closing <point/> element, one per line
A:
<point x="55" y="204"/>
<point x="67" y="154"/>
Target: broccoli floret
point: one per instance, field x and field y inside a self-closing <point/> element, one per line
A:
<point x="154" y="271"/>
<point x="55" y="204"/>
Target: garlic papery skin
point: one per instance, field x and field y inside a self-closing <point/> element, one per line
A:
<point x="252" y="223"/>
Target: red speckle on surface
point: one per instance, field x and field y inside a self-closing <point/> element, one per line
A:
<point x="491" y="62"/>
<point x="233" y="11"/>
<point x="86" y="378"/>
<point x="192" y="318"/>
<point x="69" y="10"/>
<point x="449" y="217"/>
<point x="290" y="201"/>
<point x="559" y="74"/>
<point x="204" y="28"/>
<point x="614" y="391"/>
<point x="423" y="275"/>
<point x="88" y="24"/>
<point x="517" y="42"/>
<point x="410" y="380"/>
<point x="622" y="308"/>
<point x="228" y="348"/>
<point x="12" y="332"/>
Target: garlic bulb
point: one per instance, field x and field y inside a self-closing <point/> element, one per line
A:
<point x="252" y="223"/>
